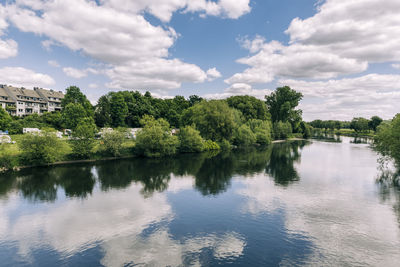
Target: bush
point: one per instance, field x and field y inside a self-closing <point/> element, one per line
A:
<point x="282" y="130"/>
<point x="190" y="140"/>
<point x="262" y="130"/>
<point x="43" y="148"/>
<point x="305" y="129"/>
<point x="155" y="139"/>
<point x="211" y="145"/>
<point x="244" y="136"/>
<point x="387" y="140"/>
<point x="7" y="160"/>
<point x="113" y="142"/>
<point x="83" y="138"/>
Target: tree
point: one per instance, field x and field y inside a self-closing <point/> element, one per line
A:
<point x="5" y="119"/>
<point x="262" y="130"/>
<point x="72" y="114"/>
<point x="83" y="138"/>
<point x="190" y="140"/>
<point x="374" y="123"/>
<point x="194" y="99"/>
<point x="41" y="148"/>
<point x="102" y="113"/>
<point x="155" y="139"/>
<point x="244" y="136"/>
<point x="282" y="130"/>
<point x="74" y="95"/>
<point x="251" y="107"/>
<point x="359" y="124"/>
<point x="387" y="140"/>
<point x="214" y="119"/>
<point x="52" y="119"/>
<point x="118" y="110"/>
<point x="305" y="129"/>
<point x="282" y="104"/>
<point x="113" y="142"/>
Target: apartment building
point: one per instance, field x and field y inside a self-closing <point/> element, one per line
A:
<point x="22" y="101"/>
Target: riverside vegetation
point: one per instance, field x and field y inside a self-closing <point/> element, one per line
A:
<point x="204" y="125"/>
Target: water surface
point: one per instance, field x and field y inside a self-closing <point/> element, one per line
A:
<point x="291" y="204"/>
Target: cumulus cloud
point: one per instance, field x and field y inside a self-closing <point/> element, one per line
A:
<point x="343" y="37"/>
<point x="79" y="73"/>
<point x="213" y="74"/>
<point x="53" y="63"/>
<point x="373" y="94"/>
<point x="18" y="76"/>
<point x="396" y="66"/>
<point x="239" y="89"/>
<point x="8" y="47"/>
<point x="115" y="32"/>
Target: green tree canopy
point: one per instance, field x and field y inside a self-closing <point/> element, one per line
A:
<point x="251" y="107"/>
<point x="374" y="122"/>
<point x="72" y="114"/>
<point x="387" y="140"/>
<point x="5" y="119"/>
<point x="282" y="104"/>
<point x="359" y="124"/>
<point x="74" y="95"/>
<point x="214" y="119"/>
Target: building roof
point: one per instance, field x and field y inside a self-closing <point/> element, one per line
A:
<point x="50" y="93"/>
<point x="3" y="92"/>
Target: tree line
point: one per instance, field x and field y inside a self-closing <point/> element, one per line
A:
<point x="357" y="124"/>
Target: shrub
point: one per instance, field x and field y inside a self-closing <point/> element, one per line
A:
<point x="83" y="138"/>
<point x="7" y="160"/>
<point x="113" y="142"/>
<point x="211" y="145"/>
<point x="43" y="148"/>
<point x="262" y="130"/>
<point x="155" y="139"/>
<point x="387" y="140"/>
<point x="282" y="130"/>
<point x="190" y="140"/>
<point x="244" y="136"/>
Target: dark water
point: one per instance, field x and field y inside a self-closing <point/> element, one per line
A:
<point x="292" y="204"/>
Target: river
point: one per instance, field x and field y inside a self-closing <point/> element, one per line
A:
<point x="300" y="203"/>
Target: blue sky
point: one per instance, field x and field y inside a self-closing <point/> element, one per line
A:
<point x="342" y="55"/>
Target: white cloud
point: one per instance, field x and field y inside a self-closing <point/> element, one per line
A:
<point x="396" y="66"/>
<point x="18" y="76"/>
<point x="93" y="85"/>
<point x="53" y="63"/>
<point x="365" y="96"/>
<point x="342" y="38"/>
<point x="213" y="74"/>
<point x="74" y="73"/>
<point x="115" y="32"/>
<point x="239" y="89"/>
<point x="9" y="47"/>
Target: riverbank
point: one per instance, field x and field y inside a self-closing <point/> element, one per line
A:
<point x="96" y="157"/>
<point x="346" y="132"/>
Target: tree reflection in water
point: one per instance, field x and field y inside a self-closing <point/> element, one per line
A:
<point x="212" y="173"/>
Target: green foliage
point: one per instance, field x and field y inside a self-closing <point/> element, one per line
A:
<point x="118" y="109"/>
<point x="214" y="119"/>
<point x="7" y="159"/>
<point x="387" y="140"/>
<point x="113" y="142"/>
<point x="72" y="115"/>
<point x="190" y="140"/>
<point x="225" y="145"/>
<point x="251" y="107"/>
<point x="5" y="120"/>
<point x="359" y="124"/>
<point x="102" y="114"/>
<point x="282" y="104"/>
<point x="244" y="136"/>
<point x="83" y="138"/>
<point x="155" y="139"/>
<point x="374" y="122"/>
<point x="43" y="148"/>
<point x="305" y="129"/>
<point x="52" y="119"/>
<point x="262" y="130"/>
<point x="282" y="130"/>
<point x="74" y="95"/>
<point x="211" y="145"/>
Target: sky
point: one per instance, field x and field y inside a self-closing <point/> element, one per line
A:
<point x="344" y="56"/>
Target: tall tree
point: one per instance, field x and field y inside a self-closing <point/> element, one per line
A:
<point x="374" y="122"/>
<point x="74" y="95"/>
<point x="251" y="107"/>
<point x="72" y="115"/>
<point x="5" y="119"/>
<point x="118" y="109"/>
<point x="282" y="104"/>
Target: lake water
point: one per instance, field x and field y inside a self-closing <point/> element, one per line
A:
<point x="299" y="203"/>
